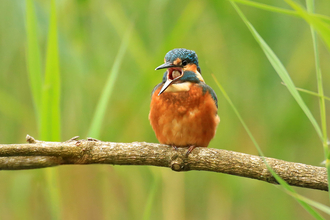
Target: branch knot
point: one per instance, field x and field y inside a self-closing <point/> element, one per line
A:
<point x="30" y="139"/>
<point x="177" y="164"/>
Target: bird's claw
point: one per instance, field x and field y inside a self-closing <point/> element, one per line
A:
<point x="190" y="149"/>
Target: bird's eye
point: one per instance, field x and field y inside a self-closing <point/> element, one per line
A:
<point x="184" y="62"/>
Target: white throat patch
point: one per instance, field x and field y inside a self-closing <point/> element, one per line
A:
<point x="179" y="87"/>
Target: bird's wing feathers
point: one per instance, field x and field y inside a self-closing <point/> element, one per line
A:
<point x="156" y="87"/>
<point x="207" y="88"/>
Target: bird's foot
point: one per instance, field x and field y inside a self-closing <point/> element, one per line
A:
<point x="174" y="147"/>
<point x="191" y="148"/>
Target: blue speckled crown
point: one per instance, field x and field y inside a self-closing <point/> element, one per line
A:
<point x="189" y="55"/>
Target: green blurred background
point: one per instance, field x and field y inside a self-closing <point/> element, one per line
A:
<point x="89" y="37"/>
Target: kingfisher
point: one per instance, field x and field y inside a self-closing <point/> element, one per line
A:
<point x="183" y="108"/>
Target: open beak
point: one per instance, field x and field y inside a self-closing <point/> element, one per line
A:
<point x="168" y="81"/>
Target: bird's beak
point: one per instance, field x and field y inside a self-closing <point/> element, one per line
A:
<point x="166" y="65"/>
<point x="166" y="84"/>
<point x="168" y="81"/>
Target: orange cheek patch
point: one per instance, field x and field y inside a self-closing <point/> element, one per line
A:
<point x="177" y="61"/>
<point x="191" y="67"/>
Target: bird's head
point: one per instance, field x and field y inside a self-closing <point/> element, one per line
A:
<point x="182" y="67"/>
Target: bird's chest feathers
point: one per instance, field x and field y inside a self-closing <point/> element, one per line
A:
<point x="184" y="118"/>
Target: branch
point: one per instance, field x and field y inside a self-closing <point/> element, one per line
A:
<point x="40" y="154"/>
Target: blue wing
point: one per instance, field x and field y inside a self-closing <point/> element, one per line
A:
<point x="207" y="88"/>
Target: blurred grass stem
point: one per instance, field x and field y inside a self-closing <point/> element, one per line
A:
<point x="311" y="9"/>
<point x="95" y="128"/>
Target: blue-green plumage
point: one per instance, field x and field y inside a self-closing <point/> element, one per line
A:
<point x="189" y="56"/>
<point x="189" y="76"/>
<point x="207" y="88"/>
<point x="183" y="54"/>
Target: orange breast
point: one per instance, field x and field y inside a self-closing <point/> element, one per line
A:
<point x="184" y="118"/>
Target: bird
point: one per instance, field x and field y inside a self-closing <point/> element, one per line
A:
<point x="183" y="108"/>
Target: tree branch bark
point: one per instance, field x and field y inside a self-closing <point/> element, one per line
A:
<point x="40" y="154"/>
